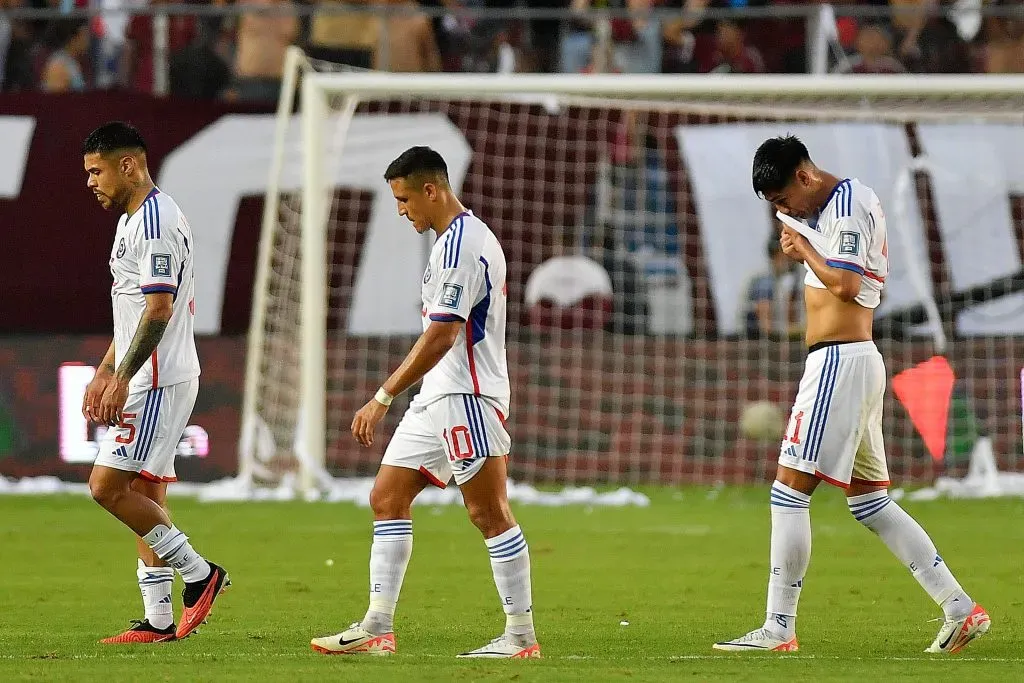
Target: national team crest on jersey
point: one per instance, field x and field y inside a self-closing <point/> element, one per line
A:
<point x="849" y="243"/>
<point x="161" y="265"/>
<point x="451" y="295"/>
<point x="120" y="248"/>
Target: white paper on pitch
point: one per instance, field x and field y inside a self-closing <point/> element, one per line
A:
<point x="816" y="239"/>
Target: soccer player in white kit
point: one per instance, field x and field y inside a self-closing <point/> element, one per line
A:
<point x="454" y="426"/>
<point x="835" y="428"/>
<point x="147" y="382"/>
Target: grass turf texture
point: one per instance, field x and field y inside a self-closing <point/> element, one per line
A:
<point x="684" y="572"/>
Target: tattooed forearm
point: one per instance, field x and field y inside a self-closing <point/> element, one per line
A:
<point x="147" y="336"/>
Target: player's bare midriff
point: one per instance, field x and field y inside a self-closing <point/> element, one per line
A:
<point x="829" y="319"/>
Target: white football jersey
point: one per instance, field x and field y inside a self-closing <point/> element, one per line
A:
<point x="153" y="253"/>
<point x="465" y="280"/>
<point x="853" y="225"/>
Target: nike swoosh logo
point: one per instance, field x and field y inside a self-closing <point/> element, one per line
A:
<point x="342" y="641"/>
<point x="193" y="616"/>
<point x="946" y="643"/>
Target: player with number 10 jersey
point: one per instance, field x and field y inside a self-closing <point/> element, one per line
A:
<point x="454" y="427"/>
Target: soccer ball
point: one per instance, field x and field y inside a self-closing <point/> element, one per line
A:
<point x="762" y="421"/>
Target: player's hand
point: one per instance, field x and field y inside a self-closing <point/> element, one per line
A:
<point x="112" y="402"/>
<point x="93" y="395"/>
<point x="793" y="244"/>
<point x="365" y="421"/>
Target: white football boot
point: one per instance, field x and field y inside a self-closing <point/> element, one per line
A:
<point x="506" y="646"/>
<point x="956" y="633"/>
<point x="355" y="640"/>
<point x="759" y="640"/>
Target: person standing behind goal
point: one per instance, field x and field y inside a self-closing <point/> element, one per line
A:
<point x="835" y="429"/>
<point x="454" y="426"/>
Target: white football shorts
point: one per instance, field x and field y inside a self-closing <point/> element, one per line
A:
<point x="835" y="428"/>
<point x="151" y="427"/>
<point x="452" y="436"/>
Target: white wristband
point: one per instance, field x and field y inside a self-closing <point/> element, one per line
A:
<point x="382" y="397"/>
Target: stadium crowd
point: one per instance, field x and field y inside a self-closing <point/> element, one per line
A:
<point x="239" y="54"/>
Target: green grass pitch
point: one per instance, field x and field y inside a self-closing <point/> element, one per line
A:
<point x="684" y="572"/>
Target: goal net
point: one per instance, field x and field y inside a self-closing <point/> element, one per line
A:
<point x="652" y="335"/>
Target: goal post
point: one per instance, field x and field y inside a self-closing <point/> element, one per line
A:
<point x="669" y="408"/>
<point x="248" y="467"/>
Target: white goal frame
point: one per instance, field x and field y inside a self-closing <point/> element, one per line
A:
<point x="707" y="91"/>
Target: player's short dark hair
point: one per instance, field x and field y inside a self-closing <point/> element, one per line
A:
<point x="417" y="161"/>
<point x="112" y="137"/>
<point x="776" y="162"/>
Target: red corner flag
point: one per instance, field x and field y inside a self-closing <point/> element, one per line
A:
<point x="924" y="390"/>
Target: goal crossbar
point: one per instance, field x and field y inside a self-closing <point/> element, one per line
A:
<point x="669" y="85"/>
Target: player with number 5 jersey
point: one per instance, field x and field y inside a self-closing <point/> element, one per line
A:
<point x="147" y="382"/>
<point x="455" y="426"/>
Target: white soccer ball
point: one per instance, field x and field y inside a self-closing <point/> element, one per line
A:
<point x="762" y="421"/>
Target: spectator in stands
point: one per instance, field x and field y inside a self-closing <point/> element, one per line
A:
<point x="679" y="38"/>
<point x="446" y="29"/>
<point x="929" y="41"/>
<point x="137" y="54"/>
<point x="636" y="40"/>
<point x="602" y="60"/>
<point x="68" y="42"/>
<point x="773" y="306"/>
<point x="732" y="54"/>
<point x="489" y="45"/>
<point x="16" y="51"/>
<point x="874" y="53"/>
<point x="350" y="37"/>
<point x="577" y="44"/>
<point x="199" y="70"/>
<point x="691" y="40"/>
<point x="1004" y="49"/>
<point x="259" y="54"/>
<point x="409" y="44"/>
<point x="109" y="30"/>
<point x="509" y="51"/>
<point x="544" y="34"/>
<point x="783" y="41"/>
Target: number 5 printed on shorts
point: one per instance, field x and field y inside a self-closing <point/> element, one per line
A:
<point x="128" y="438"/>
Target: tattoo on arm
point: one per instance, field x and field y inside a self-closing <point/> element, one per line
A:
<point x="146" y="339"/>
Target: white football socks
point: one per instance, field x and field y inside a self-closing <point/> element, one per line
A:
<point x="389" y="558"/>
<point x="510" y="563"/>
<point x="911" y="544"/>
<point x="790" y="556"/>
<point x="172" y="546"/>
<point x="155" y="584"/>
